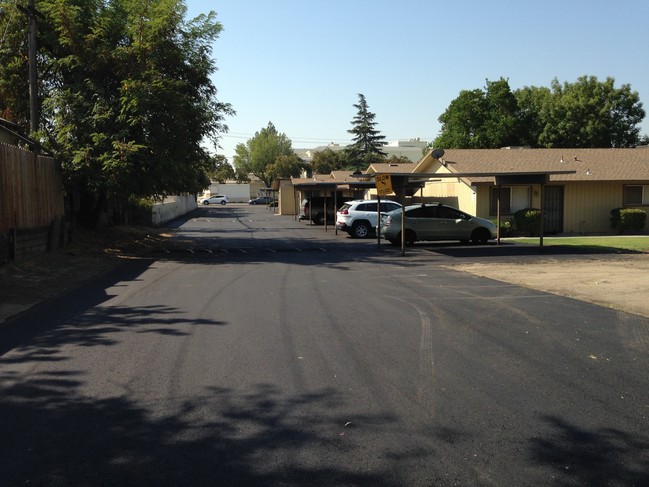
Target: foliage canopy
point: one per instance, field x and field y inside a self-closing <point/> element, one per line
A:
<point x="268" y="155"/>
<point x="586" y="113"/>
<point x="125" y="91"/>
<point x="367" y="140"/>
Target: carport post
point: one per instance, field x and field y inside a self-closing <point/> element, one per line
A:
<point x="541" y="220"/>
<point x="378" y="222"/>
<point x="297" y="204"/>
<point x="498" y="216"/>
<point x="403" y="229"/>
<point x="325" y="208"/>
<point x="335" y="210"/>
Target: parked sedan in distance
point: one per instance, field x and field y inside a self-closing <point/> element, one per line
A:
<point x="262" y="200"/>
<point x="359" y="218"/>
<point x="436" y="222"/>
<point x="220" y="199"/>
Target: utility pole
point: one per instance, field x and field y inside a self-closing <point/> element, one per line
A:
<point x="33" y="78"/>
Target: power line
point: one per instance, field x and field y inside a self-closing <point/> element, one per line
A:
<point x="4" y="34"/>
<point x="235" y="135"/>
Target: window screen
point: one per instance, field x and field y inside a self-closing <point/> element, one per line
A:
<point x="636" y="195"/>
<point x="505" y="201"/>
<point x="512" y="199"/>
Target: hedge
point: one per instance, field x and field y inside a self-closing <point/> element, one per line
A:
<point x="527" y="221"/>
<point x="628" y="219"/>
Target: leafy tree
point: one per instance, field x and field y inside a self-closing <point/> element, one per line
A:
<point x="590" y="113"/>
<point x="327" y="160"/>
<point x="587" y="113"/>
<point x="394" y="159"/>
<point x="480" y="119"/>
<point x="126" y="96"/>
<point x="462" y="122"/>
<point x="285" y="166"/>
<point x="241" y="160"/>
<point x="502" y="122"/>
<point x="220" y="170"/>
<point x="367" y="141"/>
<point x="261" y="152"/>
<point x="533" y="104"/>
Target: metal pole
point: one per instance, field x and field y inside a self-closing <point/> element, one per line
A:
<point x="498" y="217"/>
<point x="378" y="222"/>
<point x="33" y="78"/>
<point x="336" y="210"/>
<point x="324" y="208"/>
<point x="403" y="229"/>
<point x="542" y="217"/>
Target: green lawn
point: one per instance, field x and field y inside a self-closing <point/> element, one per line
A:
<point x="612" y="244"/>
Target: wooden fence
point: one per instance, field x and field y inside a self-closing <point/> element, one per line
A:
<point x="31" y="201"/>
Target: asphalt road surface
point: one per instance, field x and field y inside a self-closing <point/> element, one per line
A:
<point x="259" y="350"/>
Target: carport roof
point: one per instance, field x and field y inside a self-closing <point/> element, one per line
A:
<point x="519" y="177"/>
<point x="335" y="179"/>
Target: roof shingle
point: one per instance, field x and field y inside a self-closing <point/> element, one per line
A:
<point x="589" y="164"/>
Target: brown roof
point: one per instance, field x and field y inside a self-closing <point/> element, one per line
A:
<point x="402" y="167"/>
<point x="338" y="177"/>
<point x="344" y="176"/>
<point x="589" y="164"/>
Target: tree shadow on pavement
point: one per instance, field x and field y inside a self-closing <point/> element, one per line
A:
<point x="604" y="456"/>
<point x="54" y="436"/>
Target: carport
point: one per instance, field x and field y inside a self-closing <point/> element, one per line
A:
<point x="401" y="183"/>
<point x="327" y="186"/>
<point x="407" y="184"/>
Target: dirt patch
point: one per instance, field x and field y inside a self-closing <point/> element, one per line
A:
<point x="28" y="282"/>
<point x="618" y="282"/>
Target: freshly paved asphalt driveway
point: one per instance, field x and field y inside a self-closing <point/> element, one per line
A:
<point x="261" y="351"/>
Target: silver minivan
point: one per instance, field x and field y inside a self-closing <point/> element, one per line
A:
<point x="359" y="218"/>
<point x="436" y="222"/>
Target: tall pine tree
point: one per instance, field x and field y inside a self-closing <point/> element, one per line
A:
<point x="368" y="141"/>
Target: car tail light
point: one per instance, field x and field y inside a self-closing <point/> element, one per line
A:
<point x="343" y="212"/>
<point x="388" y="221"/>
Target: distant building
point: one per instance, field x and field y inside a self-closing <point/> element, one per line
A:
<point x="413" y="149"/>
<point x="235" y="191"/>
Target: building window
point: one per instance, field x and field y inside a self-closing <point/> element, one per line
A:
<point x="512" y="199"/>
<point x="636" y="195"/>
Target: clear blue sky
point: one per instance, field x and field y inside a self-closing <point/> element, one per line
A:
<point x="301" y="63"/>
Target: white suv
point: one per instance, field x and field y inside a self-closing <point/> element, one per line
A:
<point x="217" y="198"/>
<point x="359" y="218"/>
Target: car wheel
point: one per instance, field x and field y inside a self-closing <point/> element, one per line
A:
<point x="223" y="202"/>
<point x="410" y="237"/>
<point x="360" y="230"/>
<point x="480" y="236"/>
<point x="206" y="202"/>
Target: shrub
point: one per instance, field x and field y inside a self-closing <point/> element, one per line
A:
<point x="628" y="219"/>
<point x="506" y="227"/>
<point x="526" y="221"/>
<point x="139" y="210"/>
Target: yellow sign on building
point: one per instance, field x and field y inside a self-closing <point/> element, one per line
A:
<point x="383" y="184"/>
